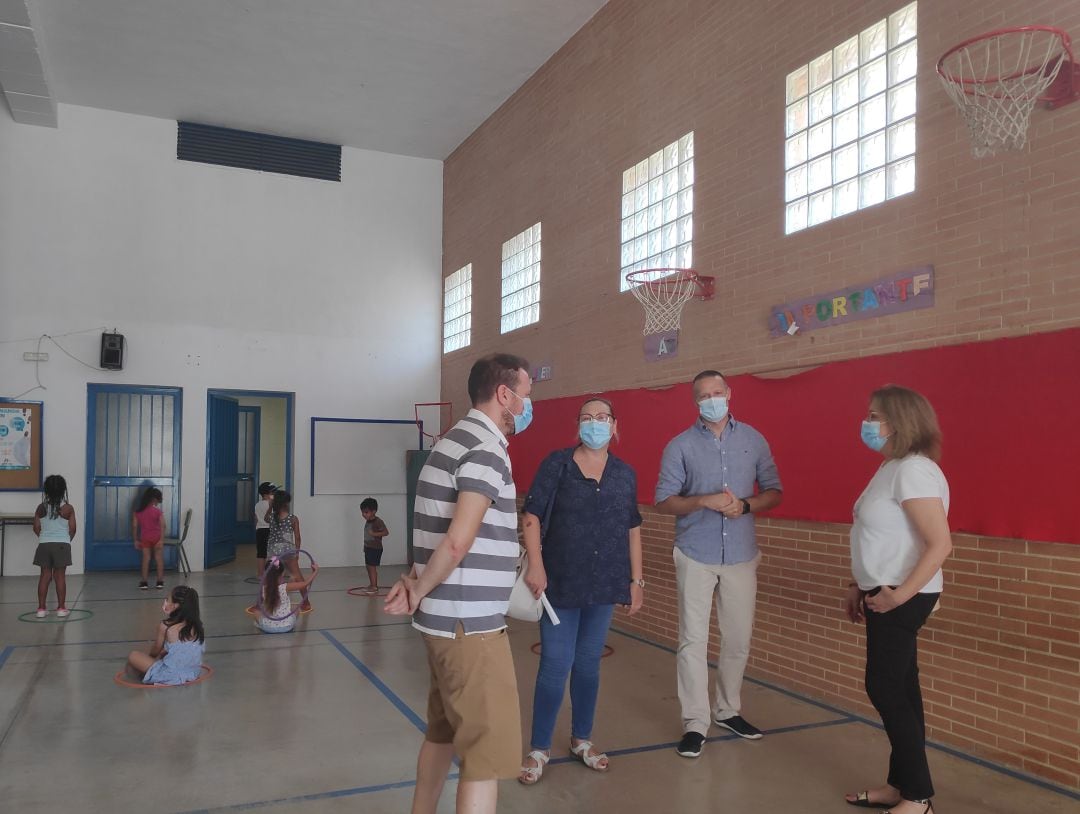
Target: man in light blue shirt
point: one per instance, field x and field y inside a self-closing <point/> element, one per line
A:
<point x="707" y="478"/>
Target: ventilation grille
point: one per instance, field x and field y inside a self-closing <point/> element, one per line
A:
<point x="257" y="151"/>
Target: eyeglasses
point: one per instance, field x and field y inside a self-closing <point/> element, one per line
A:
<point x="603" y="418"/>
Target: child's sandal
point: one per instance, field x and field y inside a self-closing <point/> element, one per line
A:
<point x="531" y="774"/>
<point x="592" y="761"/>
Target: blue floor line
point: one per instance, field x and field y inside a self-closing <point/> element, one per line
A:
<point x="152" y="596"/>
<point x="220" y="635"/>
<point x="454" y="776"/>
<point x="5" y="654"/>
<point x="305" y="798"/>
<point x="855" y="717"/>
<point x="655" y="747"/>
<point x="402" y="707"/>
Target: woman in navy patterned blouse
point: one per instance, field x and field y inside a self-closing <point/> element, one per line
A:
<point x="590" y="561"/>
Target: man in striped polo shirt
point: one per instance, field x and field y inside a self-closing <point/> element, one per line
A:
<point x="465" y="546"/>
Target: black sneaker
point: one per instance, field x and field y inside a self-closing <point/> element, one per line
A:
<point x="143" y="586"/>
<point x="690" y="745"/>
<point x="160" y="585"/>
<point x="740" y="727"/>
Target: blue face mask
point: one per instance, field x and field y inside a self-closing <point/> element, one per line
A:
<point x="872" y="437"/>
<point x="594" y="434"/>
<point x="714" y="408"/>
<point x="522" y="421"/>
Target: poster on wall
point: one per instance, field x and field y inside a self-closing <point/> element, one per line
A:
<point x="15" y="432"/>
<point x="20" y="445"/>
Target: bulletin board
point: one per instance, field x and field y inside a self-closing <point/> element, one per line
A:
<point x="21" y="459"/>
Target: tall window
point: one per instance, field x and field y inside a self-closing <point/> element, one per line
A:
<point x="457" y="309"/>
<point x="658" y="210"/>
<point x="850" y="124"/>
<point x="521" y="280"/>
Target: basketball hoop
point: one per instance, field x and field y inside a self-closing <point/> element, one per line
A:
<point x="664" y="292"/>
<point x="997" y="78"/>
<point x="442" y="422"/>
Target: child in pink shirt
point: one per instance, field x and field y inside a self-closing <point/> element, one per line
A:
<point x="148" y="532"/>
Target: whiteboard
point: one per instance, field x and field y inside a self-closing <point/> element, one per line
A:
<point x="360" y="456"/>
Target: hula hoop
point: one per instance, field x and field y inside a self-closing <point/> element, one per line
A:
<point x="206" y="672"/>
<point x="72" y="618"/>
<point x="360" y="590"/>
<point x="262" y="589"/>
<point x="607" y="651"/>
<point x="251" y="580"/>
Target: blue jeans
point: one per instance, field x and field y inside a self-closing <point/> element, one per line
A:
<point x="572" y="649"/>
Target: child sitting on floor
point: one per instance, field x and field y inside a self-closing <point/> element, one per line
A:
<point x="176" y="655"/>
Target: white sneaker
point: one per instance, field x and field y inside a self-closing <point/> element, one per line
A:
<point x="41" y="613"/>
<point x="62" y="612"/>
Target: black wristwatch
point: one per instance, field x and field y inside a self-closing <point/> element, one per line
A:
<point x="745" y="506"/>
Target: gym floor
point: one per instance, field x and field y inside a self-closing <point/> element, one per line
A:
<point x="329" y="718"/>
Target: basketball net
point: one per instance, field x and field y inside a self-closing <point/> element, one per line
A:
<point x="439" y="422"/>
<point x="996" y="80"/>
<point x="663" y="297"/>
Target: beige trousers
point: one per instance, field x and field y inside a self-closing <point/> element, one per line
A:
<point x="735" y="589"/>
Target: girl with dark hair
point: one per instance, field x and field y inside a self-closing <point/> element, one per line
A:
<point x="176" y="655"/>
<point x="54" y="524"/>
<point x="148" y="532"/>
<point x="275" y="615"/>
<point x="284" y="540"/>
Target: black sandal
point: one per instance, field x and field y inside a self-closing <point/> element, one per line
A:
<point x="928" y="810"/>
<point x="862" y="800"/>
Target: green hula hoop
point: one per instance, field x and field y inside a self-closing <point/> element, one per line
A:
<point x="30" y="616"/>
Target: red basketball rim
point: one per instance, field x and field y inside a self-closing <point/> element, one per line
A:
<point x="1058" y="91"/>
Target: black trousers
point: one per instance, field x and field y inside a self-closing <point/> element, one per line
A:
<point x="892" y="683"/>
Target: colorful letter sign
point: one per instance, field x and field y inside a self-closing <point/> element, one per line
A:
<point x="904" y="291"/>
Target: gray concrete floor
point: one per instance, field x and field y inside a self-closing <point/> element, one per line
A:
<point x="328" y="719"/>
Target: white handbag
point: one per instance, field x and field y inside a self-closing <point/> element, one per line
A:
<point x="525" y="606"/>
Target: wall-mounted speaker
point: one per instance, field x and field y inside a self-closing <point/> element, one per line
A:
<point x="112" y="351"/>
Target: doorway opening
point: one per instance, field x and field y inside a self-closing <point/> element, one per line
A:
<point x="249" y="439"/>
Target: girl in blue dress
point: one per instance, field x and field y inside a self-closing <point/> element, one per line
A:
<point x="176" y="655"/>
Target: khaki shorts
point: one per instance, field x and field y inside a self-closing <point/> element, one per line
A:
<point x="53" y="555"/>
<point x="473" y="703"/>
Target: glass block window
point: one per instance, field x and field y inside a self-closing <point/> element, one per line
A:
<point x="658" y="211"/>
<point x="457" y="309"/>
<point x="521" y="280"/>
<point x="850" y="124"/>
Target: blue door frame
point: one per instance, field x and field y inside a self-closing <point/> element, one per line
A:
<point x="248" y="466"/>
<point x="125" y="455"/>
<point x="290" y="399"/>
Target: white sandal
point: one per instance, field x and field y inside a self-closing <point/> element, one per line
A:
<point x="592" y="761"/>
<point x="531" y="774"/>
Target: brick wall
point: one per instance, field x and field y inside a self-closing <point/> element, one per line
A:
<point x="1000" y="660"/>
<point x="1002" y="657"/>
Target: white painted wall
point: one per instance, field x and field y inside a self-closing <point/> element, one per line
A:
<point x="219" y="278"/>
